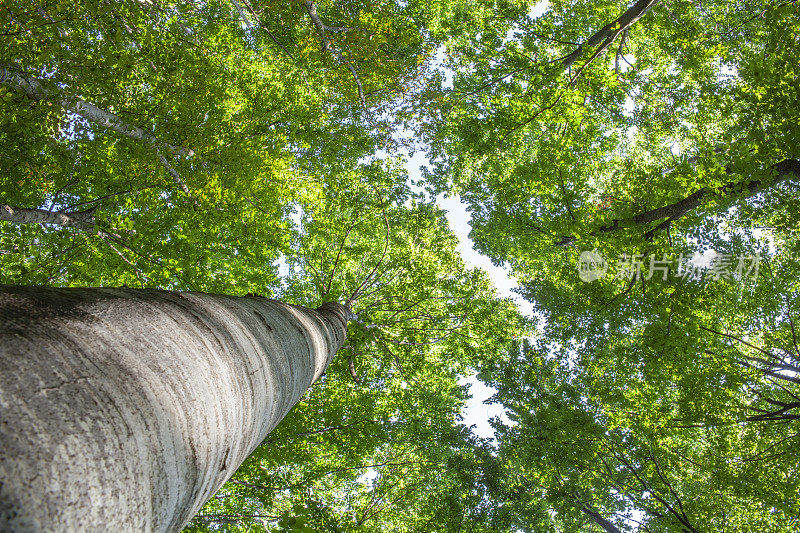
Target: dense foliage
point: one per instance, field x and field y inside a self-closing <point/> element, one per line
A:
<point x="240" y="146"/>
<point x="662" y="396"/>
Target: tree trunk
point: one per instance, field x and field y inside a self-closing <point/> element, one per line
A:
<point x="20" y="215"/>
<point x="328" y="47"/>
<point x="34" y="90"/>
<point x="125" y="409"/>
<point x="598" y="519"/>
<point x="608" y="33"/>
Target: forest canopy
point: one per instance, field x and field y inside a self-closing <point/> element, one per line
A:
<point x="634" y="165"/>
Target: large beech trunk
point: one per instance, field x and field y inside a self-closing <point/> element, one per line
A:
<point x="125" y="410"/>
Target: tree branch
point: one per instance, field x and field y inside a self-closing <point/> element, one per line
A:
<point x="33" y="89"/>
<point x="608" y="33"/>
<point x="674" y="211"/>
<point x="328" y="47"/>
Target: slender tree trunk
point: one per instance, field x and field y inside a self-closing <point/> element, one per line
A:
<point x="603" y="38"/>
<point x="34" y="90"/>
<point x="598" y="519"/>
<point x="22" y="215"/>
<point x="311" y="7"/>
<point x="599" y="42"/>
<point x="125" y="410"/>
<point x="593" y="514"/>
<point x="782" y="170"/>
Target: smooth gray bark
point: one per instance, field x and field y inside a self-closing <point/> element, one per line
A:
<point x="598" y="519"/>
<point x="125" y="409"/>
<point x="311" y="8"/>
<point x="22" y="215"/>
<point x="34" y="90"/>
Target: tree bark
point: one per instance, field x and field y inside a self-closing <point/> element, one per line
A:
<point x="311" y="8"/>
<point x="599" y="42"/>
<point x="125" y="409"/>
<point x="598" y="519"/>
<point x="34" y="90"/>
<point x="22" y="215"/>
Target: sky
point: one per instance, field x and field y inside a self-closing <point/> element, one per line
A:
<point x="476" y="412"/>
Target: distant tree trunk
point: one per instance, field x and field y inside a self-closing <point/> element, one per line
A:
<point x="606" y="35"/>
<point x="125" y="409"/>
<point x="328" y="47"/>
<point x="598" y="519"/>
<point x="33" y="89"/>
<point x="20" y="215"/>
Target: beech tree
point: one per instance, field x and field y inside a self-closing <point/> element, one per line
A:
<point x="257" y="147"/>
<point x="228" y="141"/>
<point x="127" y="409"/>
<point x="389" y="407"/>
